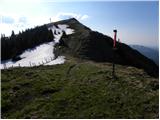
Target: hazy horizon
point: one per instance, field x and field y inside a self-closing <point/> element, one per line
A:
<point x="136" y="22"/>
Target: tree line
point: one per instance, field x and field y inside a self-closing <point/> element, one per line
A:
<point x="15" y="44"/>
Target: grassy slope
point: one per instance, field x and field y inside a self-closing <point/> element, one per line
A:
<point x="78" y="90"/>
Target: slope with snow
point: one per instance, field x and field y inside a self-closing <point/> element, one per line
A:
<point x="42" y="54"/>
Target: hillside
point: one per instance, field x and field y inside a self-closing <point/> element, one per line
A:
<point x="92" y="45"/>
<point x="151" y="53"/>
<point x="78" y="89"/>
<point x="40" y="54"/>
<point x="16" y="44"/>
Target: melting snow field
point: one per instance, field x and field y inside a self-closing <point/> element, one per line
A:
<point x="42" y="54"/>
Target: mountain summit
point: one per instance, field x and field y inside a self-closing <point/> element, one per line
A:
<point x="68" y="38"/>
<point x="92" y="45"/>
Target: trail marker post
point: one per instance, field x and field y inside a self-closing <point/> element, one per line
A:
<point x="114" y="49"/>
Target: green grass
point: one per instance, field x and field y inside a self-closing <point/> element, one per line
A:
<point x="78" y="90"/>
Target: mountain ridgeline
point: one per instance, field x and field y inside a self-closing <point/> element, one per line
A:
<point x="82" y="44"/>
<point x="92" y="45"/>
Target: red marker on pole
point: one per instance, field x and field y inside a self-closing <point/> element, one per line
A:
<point x="115" y="37"/>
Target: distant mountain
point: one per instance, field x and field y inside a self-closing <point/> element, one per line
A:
<point x="151" y="53"/>
<point x="92" y="45"/>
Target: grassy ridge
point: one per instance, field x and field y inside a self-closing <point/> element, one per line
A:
<point x="78" y="90"/>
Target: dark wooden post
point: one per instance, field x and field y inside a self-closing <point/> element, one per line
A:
<point x="114" y="49"/>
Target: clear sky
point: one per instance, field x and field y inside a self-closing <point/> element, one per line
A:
<point x="136" y="22"/>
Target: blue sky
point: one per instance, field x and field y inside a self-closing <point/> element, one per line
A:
<point x="136" y="22"/>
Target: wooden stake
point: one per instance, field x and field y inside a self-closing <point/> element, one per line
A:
<point x="114" y="49"/>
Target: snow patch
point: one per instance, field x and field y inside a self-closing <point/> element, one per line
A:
<point x="42" y="54"/>
<point x="59" y="60"/>
<point x="57" y="33"/>
<point x="65" y="28"/>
